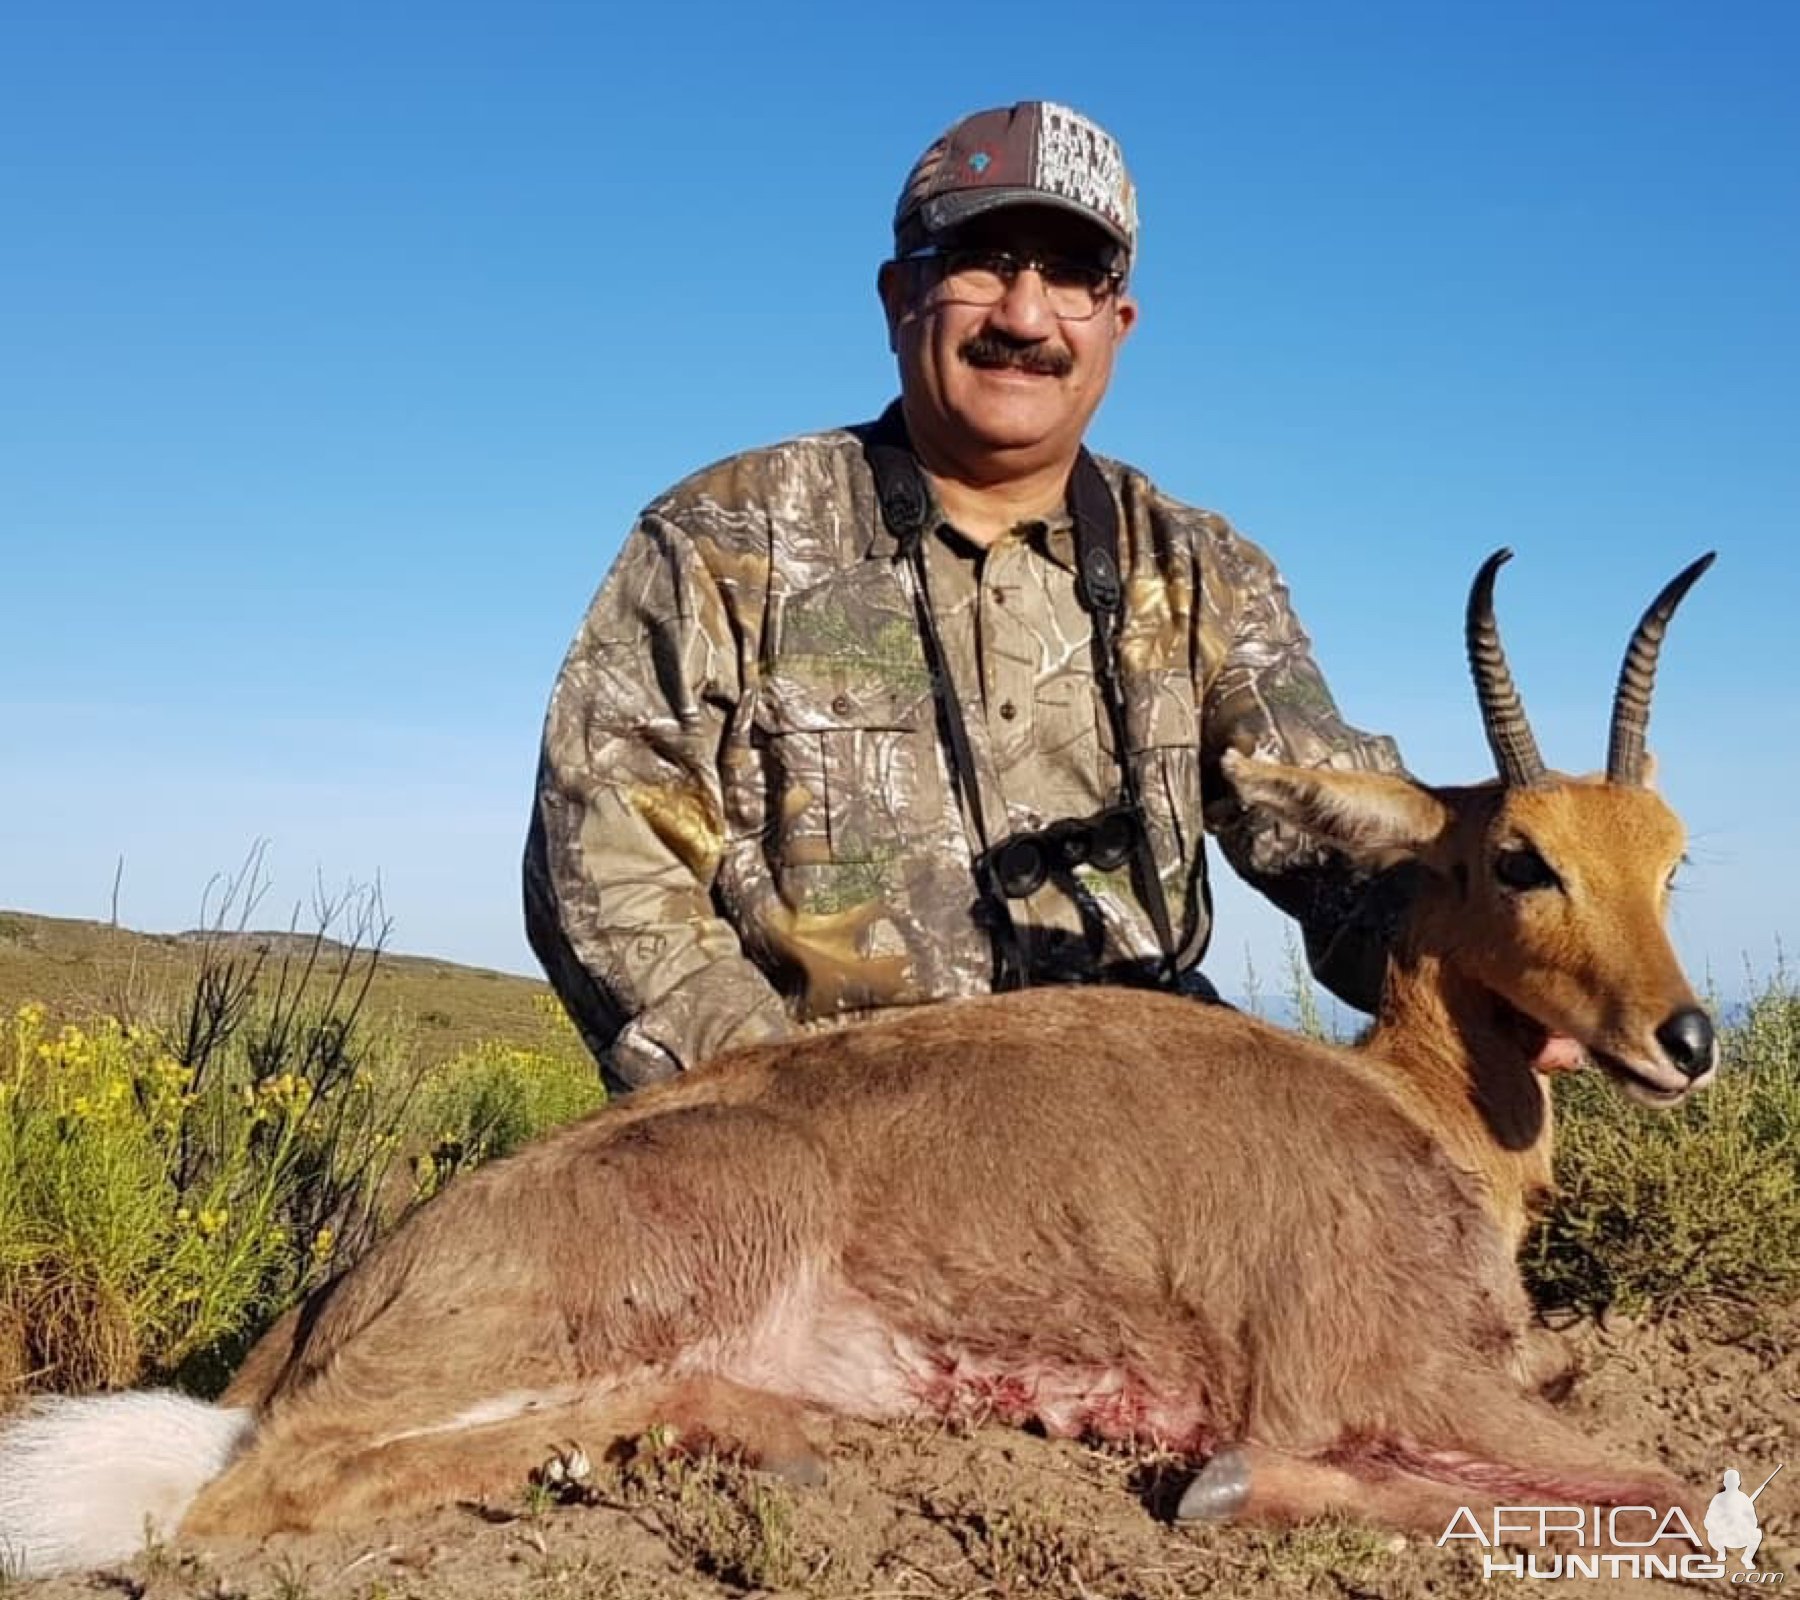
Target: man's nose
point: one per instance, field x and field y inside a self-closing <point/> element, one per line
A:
<point x="1024" y="310"/>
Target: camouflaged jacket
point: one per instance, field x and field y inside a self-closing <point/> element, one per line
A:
<point x="746" y="821"/>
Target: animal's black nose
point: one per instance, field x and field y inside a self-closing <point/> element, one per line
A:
<point x="1687" y="1037"/>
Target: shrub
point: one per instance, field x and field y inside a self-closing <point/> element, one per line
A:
<point x="1660" y="1209"/>
<point x="488" y="1101"/>
<point x="166" y="1190"/>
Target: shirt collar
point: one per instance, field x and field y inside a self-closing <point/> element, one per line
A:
<point x="1053" y="536"/>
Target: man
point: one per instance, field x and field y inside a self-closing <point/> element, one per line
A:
<point x="932" y="706"/>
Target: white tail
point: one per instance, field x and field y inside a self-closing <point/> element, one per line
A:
<point x="91" y="1480"/>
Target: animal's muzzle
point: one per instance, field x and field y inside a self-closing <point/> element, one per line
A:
<point x="1687" y="1040"/>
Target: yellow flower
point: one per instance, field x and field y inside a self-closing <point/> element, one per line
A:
<point x="286" y="1091"/>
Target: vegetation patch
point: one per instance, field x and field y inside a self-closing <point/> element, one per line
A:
<point x="1658" y="1209"/>
<point x="726" y="1521"/>
<point x="1027" y="1549"/>
<point x="489" y="1100"/>
<point x="169" y="1185"/>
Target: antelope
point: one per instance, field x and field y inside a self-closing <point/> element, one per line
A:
<point x="1122" y="1215"/>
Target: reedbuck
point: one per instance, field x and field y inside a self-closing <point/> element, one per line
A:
<point x="1125" y="1215"/>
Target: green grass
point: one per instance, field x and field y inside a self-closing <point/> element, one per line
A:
<point x="1350" y="1553"/>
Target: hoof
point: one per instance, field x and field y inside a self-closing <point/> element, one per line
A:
<point x="1220" y="1492"/>
<point x="567" y="1475"/>
<point x="568" y="1466"/>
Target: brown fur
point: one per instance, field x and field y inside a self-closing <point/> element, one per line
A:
<point x="1126" y="1214"/>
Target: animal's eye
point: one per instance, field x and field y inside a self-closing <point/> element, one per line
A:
<point x="1520" y="867"/>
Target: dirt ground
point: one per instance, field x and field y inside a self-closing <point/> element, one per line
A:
<point x="990" y="1512"/>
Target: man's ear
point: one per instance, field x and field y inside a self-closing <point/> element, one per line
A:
<point x="1125" y="315"/>
<point x="1374" y="818"/>
<point x="892" y="284"/>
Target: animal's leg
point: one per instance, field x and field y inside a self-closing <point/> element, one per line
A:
<point x="1517" y="1449"/>
<point x="761" y="1429"/>
<point x="1546" y="1364"/>
<point x="1259" y="1484"/>
<point x="412" y="1346"/>
<point x="310" y="1471"/>
<point x="1504" y="1448"/>
<point x="256" y="1380"/>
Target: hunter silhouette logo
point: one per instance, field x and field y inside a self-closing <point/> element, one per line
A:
<point x="1731" y="1519"/>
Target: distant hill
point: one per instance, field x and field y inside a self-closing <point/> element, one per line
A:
<point x="86" y="968"/>
<point x="83" y="969"/>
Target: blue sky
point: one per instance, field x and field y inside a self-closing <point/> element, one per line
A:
<point x="339" y="345"/>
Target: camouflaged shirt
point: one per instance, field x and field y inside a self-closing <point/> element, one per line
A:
<point x="746" y="821"/>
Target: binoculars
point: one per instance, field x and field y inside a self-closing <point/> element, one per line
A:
<point x="1020" y="864"/>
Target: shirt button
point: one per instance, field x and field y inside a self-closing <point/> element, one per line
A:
<point x="1008" y="710"/>
<point x="841" y="705"/>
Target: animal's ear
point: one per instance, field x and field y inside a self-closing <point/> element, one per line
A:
<point x="1375" y="818"/>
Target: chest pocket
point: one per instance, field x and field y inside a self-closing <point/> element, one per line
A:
<point x="846" y="727"/>
<point x="852" y="769"/>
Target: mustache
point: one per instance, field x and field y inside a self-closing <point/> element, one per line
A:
<point x="994" y="350"/>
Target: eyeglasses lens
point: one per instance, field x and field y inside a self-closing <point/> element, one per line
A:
<point x="1075" y="290"/>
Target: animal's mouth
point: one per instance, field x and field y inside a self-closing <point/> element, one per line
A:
<point x="1548" y="1050"/>
<point x="1543" y="1047"/>
<point x="1639" y="1084"/>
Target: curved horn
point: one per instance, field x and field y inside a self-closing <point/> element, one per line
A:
<point x="1631" y="701"/>
<point x="1503" y="718"/>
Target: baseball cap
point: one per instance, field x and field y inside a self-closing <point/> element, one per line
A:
<point x="1033" y="153"/>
